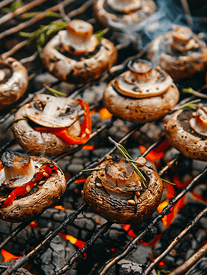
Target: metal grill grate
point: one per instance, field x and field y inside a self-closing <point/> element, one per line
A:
<point x="12" y="44"/>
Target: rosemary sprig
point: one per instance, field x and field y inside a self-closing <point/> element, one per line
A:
<point x="100" y="34"/>
<point x="92" y="169"/>
<point x="43" y="32"/>
<point x="125" y="154"/>
<point x="193" y="92"/>
<point x="54" y="92"/>
<point x="190" y="105"/>
<point x="172" y="183"/>
<point x="14" y="6"/>
<point x="47" y="14"/>
<point x="21" y="118"/>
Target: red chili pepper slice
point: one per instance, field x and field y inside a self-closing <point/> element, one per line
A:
<point x="23" y="190"/>
<point x="63" y="134"/>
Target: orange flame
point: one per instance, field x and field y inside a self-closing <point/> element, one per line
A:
<point x="88" y="147"/>
<point x="8" y="256"/>
<point x="104" y="113"/>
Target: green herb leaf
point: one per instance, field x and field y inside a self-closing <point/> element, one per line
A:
<point x="14" y="6"/>
<point x="100" y="34"/>
<point x="188" y="90"/>
<point x="41" y="34"/>
<point x="172" y="183"/>
<point x="92" y="169"/>
<point x="53" y="91"/>
<point x="22" y="118"/>
<point x="190" y="105"/>
<point x="125" y="154"/>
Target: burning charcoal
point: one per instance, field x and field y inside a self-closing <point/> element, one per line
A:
<point x="126" y="267"/>
<point x="56" y="256"/>
<point x="51" y="125"/>
<point x="191" y="242"/>
<point x="83" y="227"/>
<point x="186" y="130"/>
<point x="181" y="53"/>
<point x="86" y="61"/>
<point x="141" y="94"/>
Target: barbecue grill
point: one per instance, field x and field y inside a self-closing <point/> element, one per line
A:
<point x="69" y="238"/>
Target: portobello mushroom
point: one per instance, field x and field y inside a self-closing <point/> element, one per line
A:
<point x="186" y="130"/>
<point x="13" y="81"/>
<point x="28" y="185"/>
<point x="180" y="52"/>
<point x="50" y="125"/>
<point x="80" y="59"/>
<point x="141" y="94"/>
<point x="125" y="12"/>
<point x="116" y="192"/>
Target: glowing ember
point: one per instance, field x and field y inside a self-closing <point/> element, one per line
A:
<point x="88" y="147"/>
<point x="8" y="256"/>
<point x="104" y="113"/>
<point x="59" y="207"/>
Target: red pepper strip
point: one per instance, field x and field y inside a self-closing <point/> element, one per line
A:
<point x="63" y="134"/>
<point x="23" y="190"/>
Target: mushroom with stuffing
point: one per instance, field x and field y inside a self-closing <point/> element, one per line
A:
<point x="141" y="94"/>
<point x="125" y="12"/>
<point x="186" y="130"/>
<point x="179" y="52"/>
<point x="81" y="58"/>
<point x="28" y="185"/>
<point x="13" y="81"/>
<point x="115" y="191"/>
<point x="51" y="125"/>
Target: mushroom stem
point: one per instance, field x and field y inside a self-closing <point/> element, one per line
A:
<point x="18" y="169"/>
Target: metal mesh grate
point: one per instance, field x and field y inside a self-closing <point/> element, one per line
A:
<point x="67" y="220"/>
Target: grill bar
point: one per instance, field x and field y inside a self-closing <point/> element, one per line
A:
<point x="106" y="126"/>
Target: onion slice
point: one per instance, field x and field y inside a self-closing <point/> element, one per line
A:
<point x="199" y="122"/>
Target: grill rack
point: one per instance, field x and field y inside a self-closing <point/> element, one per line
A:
<point x="134" y="243"/>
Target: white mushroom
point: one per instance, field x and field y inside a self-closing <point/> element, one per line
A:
<point x="199" y="122"/>
<point x="84" y="60"/>
<point x="18" y="169"/>
<point x="16" y="85"/>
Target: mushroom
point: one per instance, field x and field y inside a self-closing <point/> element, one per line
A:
<point x="141" y="94"/>
<point x="51" y="125"/>
<point x="181" y="53"/>
<point x="186" y="130"/>
<point x="28" y="185"/>
<point x="13" y="81"/>
<point x="82" y="59"/>
<point x="116" y="192"/>
<point x="126" y="12"/>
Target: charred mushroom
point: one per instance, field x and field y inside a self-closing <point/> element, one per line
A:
<point x="179" y="52"/>
<point x="186" y="130"/>
<point x="141" y="94"/>
<point x="13" y="81"/>
<point x="82" y="58"/>
<point x="126" y="12"/>
<point x="28" y="185"/>
<point x="116" y="192"/>
<point x="51" y="125"/>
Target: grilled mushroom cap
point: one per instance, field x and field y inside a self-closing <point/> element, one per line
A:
<point x="186" y="131"/>
<point x="13" y="88"/>
<point x="141" y="94"/>
<point x="85" y="60"/>
<point x="42" y="196"/>
<point x="46" y="111"/>
<point x="121" y="207"/>
<point x="181" y="53"/>
<point x="126" y="12"/>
